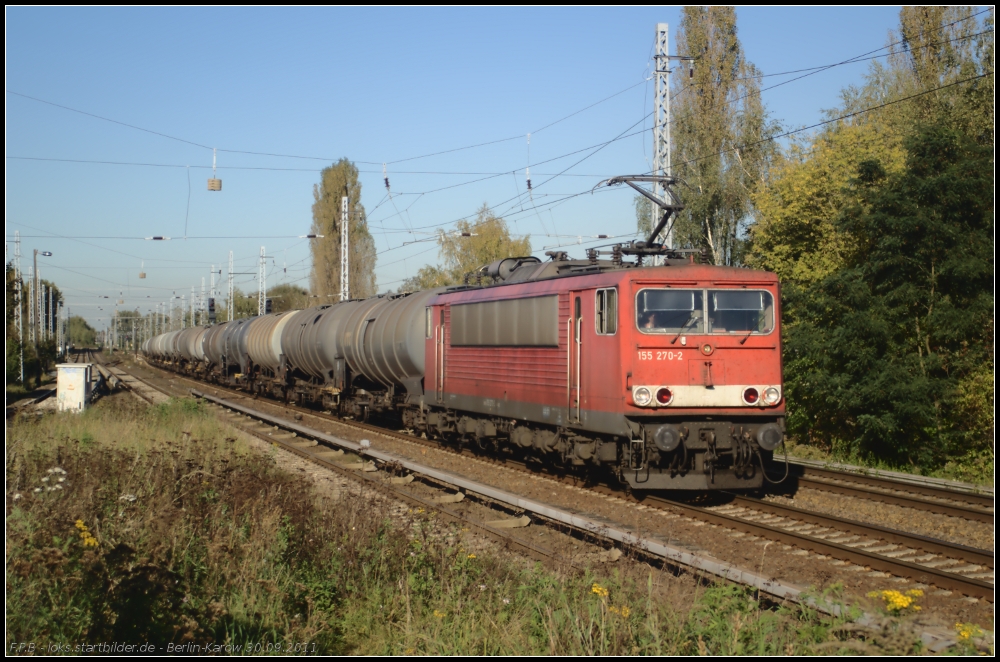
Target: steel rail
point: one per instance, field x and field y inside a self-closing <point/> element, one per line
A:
<point x="978" y="507"/>
<point x="935" y="639"/>
<point x="942" y="579"/>
<point x="943" y="547"/>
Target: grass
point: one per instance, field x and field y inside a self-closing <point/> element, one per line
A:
<point x="167" y="529"/>
<point x="975" y="467"/>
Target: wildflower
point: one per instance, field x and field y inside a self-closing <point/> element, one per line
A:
<point x="17" y="496"/>
<point x="599" y="590"/>
<point x="438" y="614"/>
<point x="622" y="611"/>
<point x="967" y="631"/>
<point x="86" y="538"/>
<point x="897" y="602"/>
<point x="506" y="601"/>
<point x="127" y="497"/>
<point x="45" y="479"/>
<point x="62" y="479"/>
<point x="482" y="587"/>
<point x="37" y="490"/>
<point x="57" y="487"/>
<point x="471" y="556"/>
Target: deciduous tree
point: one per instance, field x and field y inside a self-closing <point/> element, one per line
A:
<point x="336" y="181"/>
<point x="720" y="133"/>
<point x="488" y="240"/>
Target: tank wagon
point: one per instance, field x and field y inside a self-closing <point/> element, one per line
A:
<point x="669" y="377"/>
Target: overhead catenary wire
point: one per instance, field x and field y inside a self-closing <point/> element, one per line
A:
<point x="552" y="203"/>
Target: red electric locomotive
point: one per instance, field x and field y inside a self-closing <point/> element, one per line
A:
<point x="669" y="375"/>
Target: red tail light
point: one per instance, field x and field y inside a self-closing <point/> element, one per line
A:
<point x="751" y="396"/>
<point x="664" y="396"/>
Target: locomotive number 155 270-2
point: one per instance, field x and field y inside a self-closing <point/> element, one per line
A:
<point x="660" y="355"/>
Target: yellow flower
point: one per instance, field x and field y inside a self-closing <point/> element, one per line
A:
<point x="439" y="614"/>
<point x="80" y="525"/>
<point x="599" y="590"/>
<point x="896" y="601"/>
<point x="471" y="556"/>
<point x="622" y="611"/>
<point x="968" y="630"/>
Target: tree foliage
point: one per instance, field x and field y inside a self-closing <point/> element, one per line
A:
<point x="880" y="229"/>
<point x="288" y="297"/>
<point x="721" y="134"/>
<point x="336" y="181"/>
<point x="490" y="240"/>
<point x="79" y="333"/>
<point x="885" y="349"/>
<point x="796" y="234"/>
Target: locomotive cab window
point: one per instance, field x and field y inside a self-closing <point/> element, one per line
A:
<point x="670" y="311"/>
<point x="740" y="311"/>
<point x="607" y="312"/>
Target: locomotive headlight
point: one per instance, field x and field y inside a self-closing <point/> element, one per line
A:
<point x="771" y="396"/>
<point x="641" y="396"/>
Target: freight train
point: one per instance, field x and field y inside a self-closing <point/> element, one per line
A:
<point x="666" y="375"/>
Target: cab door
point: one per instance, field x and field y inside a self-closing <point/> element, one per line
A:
<point x="574" y="349"/>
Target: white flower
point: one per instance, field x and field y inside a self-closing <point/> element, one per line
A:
<point x="59" y="470"/>
<point x="127" y="497"/>
<point x="17" y="496"/>
<point x="506" y="601"/>
<point x="45" y="479"/>
<point x="37" y="490"/>
<point x="57" y="487"/>
<point x="62" y="479"/>
<point x="51" y="471"/>
<point x="482" y="587"/>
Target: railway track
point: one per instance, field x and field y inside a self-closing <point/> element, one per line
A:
<point x="931" y="562"/>
<point x="925" y="497"/>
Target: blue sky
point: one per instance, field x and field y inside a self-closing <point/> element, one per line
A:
<point x="375" y="85"/>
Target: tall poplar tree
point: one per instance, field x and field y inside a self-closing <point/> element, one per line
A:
<point x="720" y="134"/>
<point x="336" y="181"/>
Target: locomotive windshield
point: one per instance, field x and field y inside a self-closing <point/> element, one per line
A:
<point x="726" y="311"/>
<point x="663" y="311"/>
<point x="740" y="311"/>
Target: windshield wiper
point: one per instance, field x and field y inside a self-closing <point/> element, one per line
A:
<point x="690" y="319"/>
<point x="750" y="332"/>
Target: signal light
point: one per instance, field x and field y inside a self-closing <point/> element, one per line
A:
<point x="664" y="396"/>
<point x="751" y="396"/>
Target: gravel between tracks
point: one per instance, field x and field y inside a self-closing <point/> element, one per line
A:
<point x="780" y="561"/>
